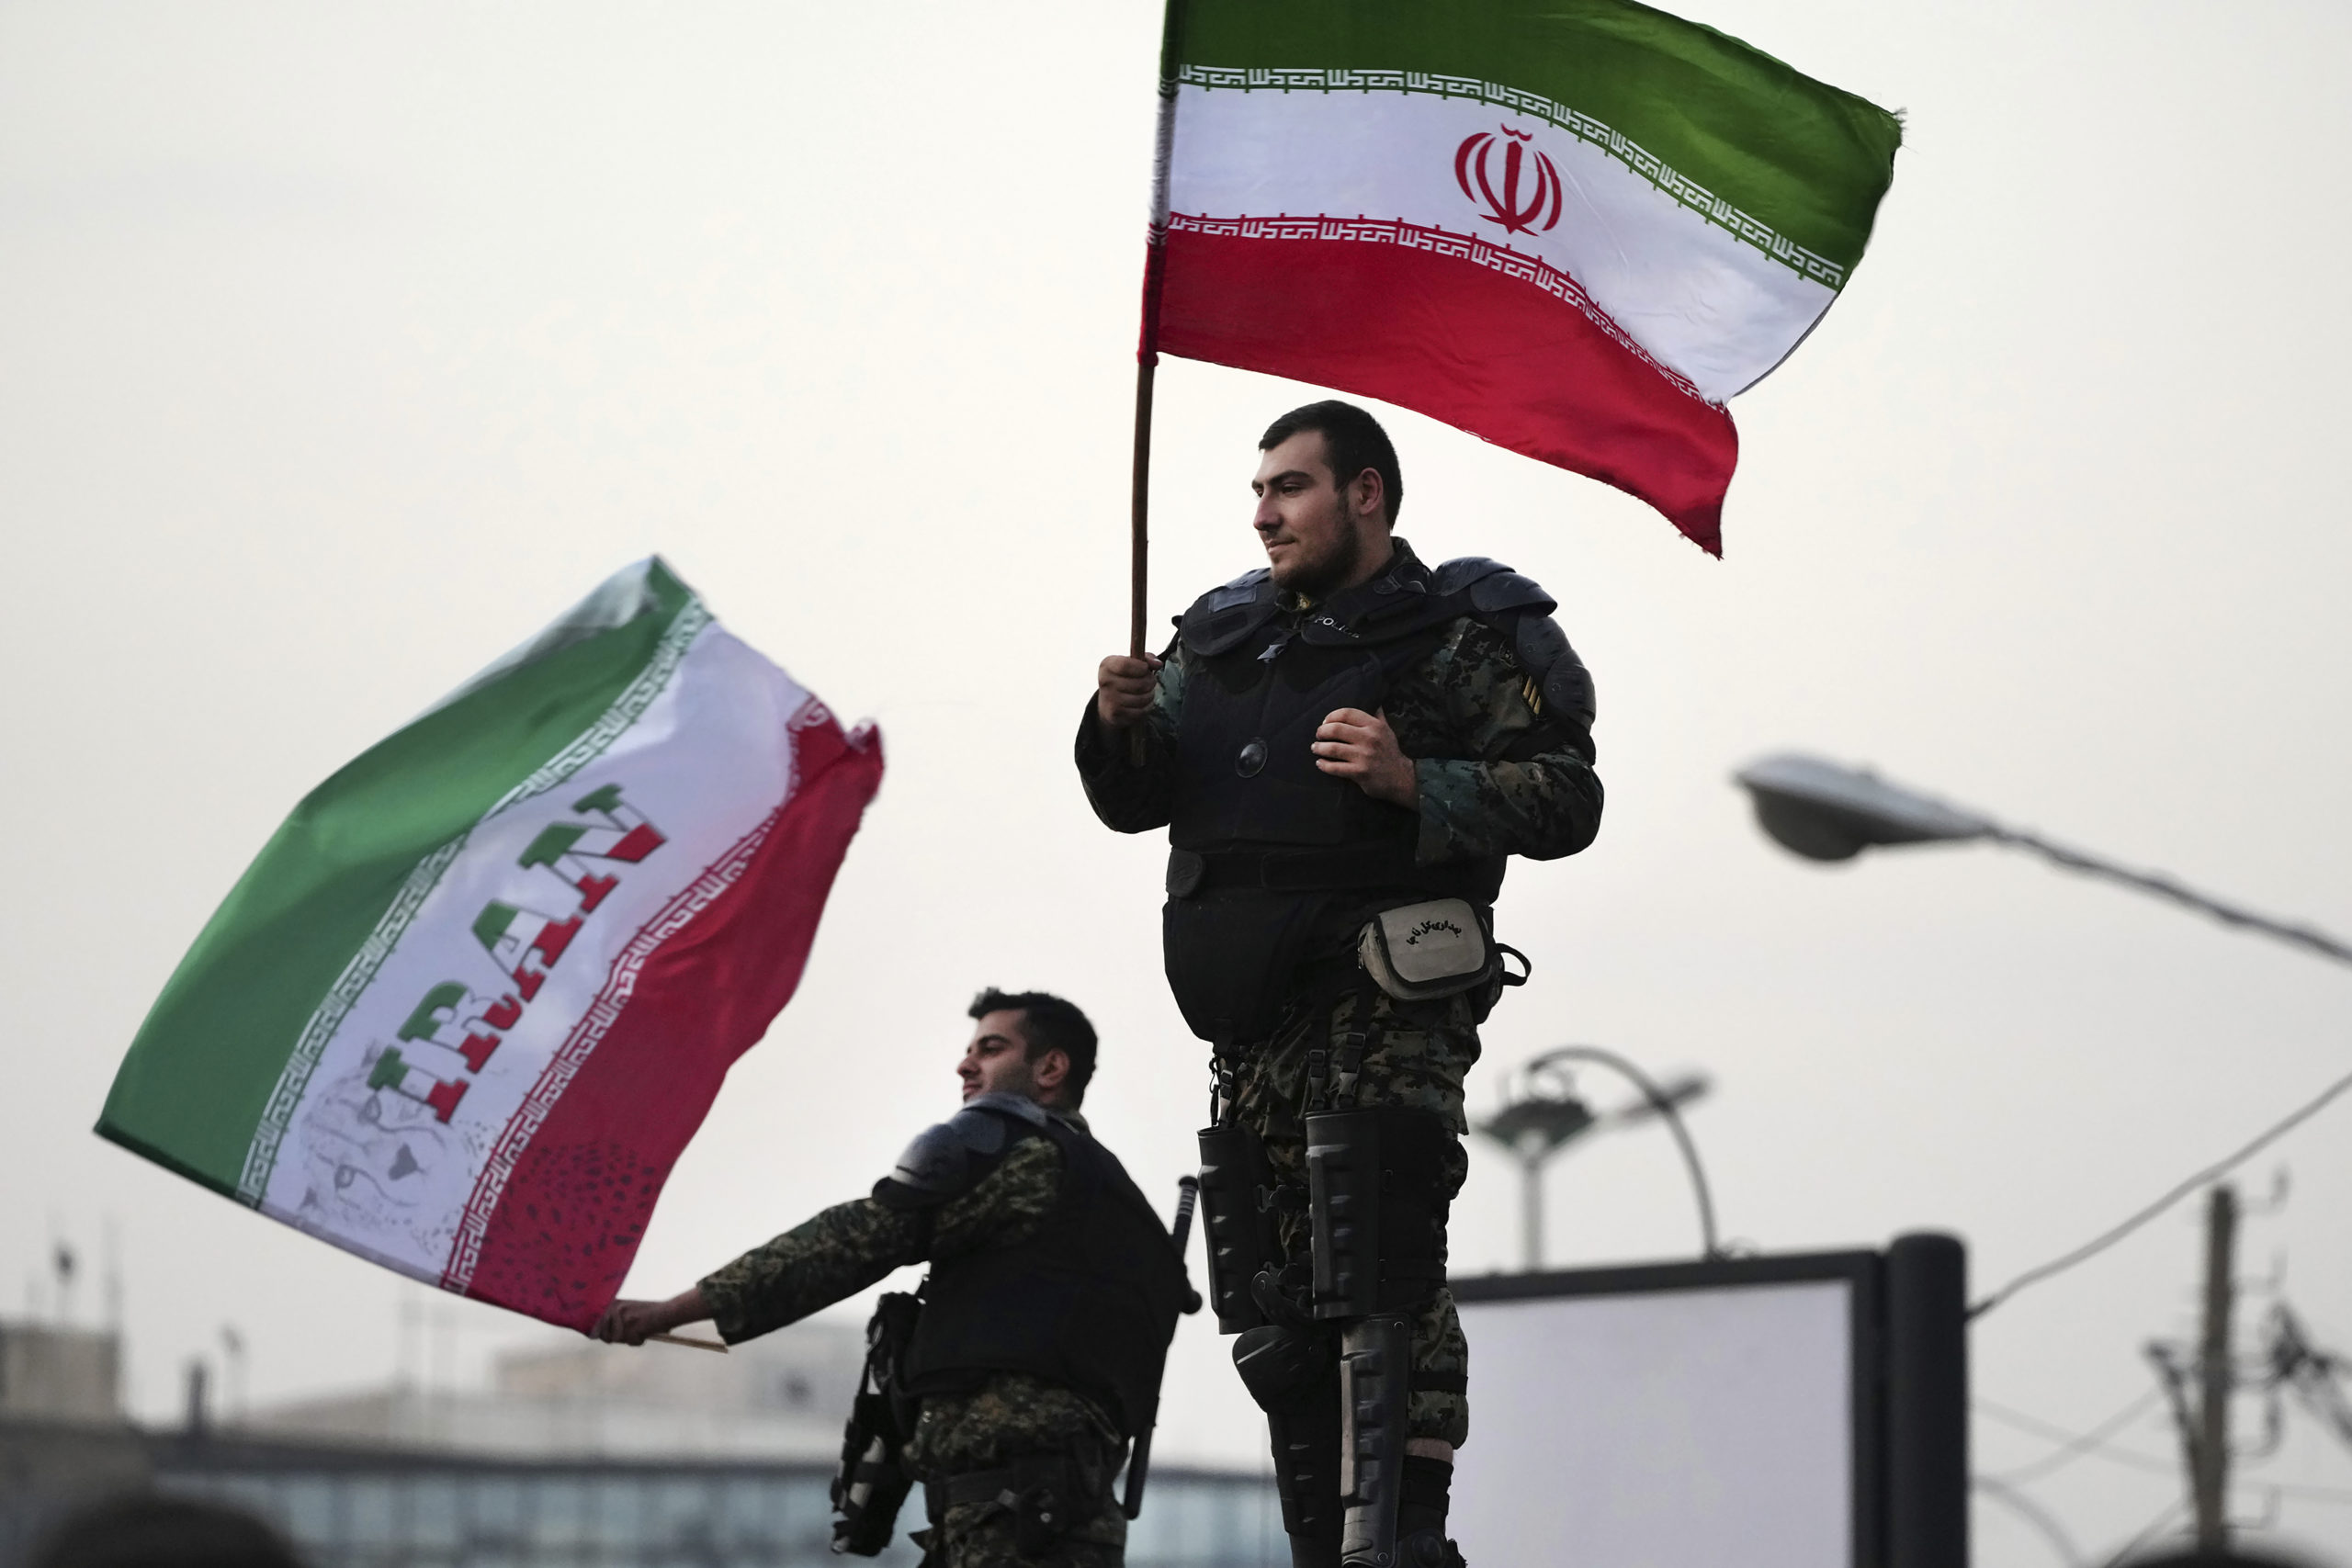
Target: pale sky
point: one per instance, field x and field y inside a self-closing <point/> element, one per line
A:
<point x="344" y="345"/>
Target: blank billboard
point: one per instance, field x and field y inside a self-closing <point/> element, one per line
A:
<point x="1671" y="1417"/>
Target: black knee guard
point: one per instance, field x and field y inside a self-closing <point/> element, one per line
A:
<point x="1238" y="1228"/>
<point x="1294" y="1374"/>
<point x="1374" y="1178"/>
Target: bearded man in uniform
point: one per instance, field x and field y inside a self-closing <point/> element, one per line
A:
<point x="1345" y="745"/>
<point x="1053" y="1294"/>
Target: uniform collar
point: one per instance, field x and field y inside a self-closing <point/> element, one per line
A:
<point x="1403" y="580"/>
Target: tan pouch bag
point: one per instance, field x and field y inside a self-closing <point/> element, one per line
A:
<point x="1420" y="951"/>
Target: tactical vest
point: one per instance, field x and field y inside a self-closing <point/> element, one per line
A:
<point x="1088" y="1302"/>
<point x="1268" y="854"/>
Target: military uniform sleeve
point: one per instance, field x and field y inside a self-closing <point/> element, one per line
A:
<point x="854" y="1245"/>
<point x="1005" y="1206"/>
<point x="1499" y="772"/>
<point x="817" y="1263"/>
<point x="1131" y="796"/>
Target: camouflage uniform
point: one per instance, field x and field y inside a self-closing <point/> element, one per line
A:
<point x="1498" y="775"/>
<point x="1010" y="1416"/>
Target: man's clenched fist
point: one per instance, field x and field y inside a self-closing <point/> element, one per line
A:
<point x="1123" y="687"/>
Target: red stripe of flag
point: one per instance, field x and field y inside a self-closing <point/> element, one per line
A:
<point x="566" y="1225"/>
<point x="1488" y="353"/>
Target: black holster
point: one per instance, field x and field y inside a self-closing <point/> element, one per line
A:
<point x="1237" y="1223"/>
<point x="872" y="1482"/>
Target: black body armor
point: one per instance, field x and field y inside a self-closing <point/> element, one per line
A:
<point x="1090" y="1302"/>
<point x="1272" y="859"/>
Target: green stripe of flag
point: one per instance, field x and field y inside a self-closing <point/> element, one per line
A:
<point x="329" y="878"/>
<point x="1799" y="155"/>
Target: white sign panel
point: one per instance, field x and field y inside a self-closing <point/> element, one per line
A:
<point x="1661" y="1428"/>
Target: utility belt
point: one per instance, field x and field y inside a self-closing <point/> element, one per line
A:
<point x="1190" y="873"/>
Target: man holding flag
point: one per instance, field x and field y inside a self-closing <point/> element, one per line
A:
<point x="1052" y="1297"/>
<point x="1576" y="227"/>
<point x="1346" y="746"/>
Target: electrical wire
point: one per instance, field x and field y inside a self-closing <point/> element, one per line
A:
<point x="2032" y="1513"/>
<point x="2075" y="1445"/>
<point x="2147" y="1532"/>
<point x="2091" y="1443"/>
<point x="2107" y="1238"/>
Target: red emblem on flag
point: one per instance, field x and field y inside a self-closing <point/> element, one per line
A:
<point x="1519" y="162"/>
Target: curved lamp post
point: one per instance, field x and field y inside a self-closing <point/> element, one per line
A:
<point x="1542" y="1114"/>
<point x="1827" y="812"/>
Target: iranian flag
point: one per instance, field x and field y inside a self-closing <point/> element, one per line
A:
<point x="468" y="1006"/>
<point x="1572" y="227"/>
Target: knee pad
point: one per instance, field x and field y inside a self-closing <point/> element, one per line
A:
<point x="1374" y="1178"/>
<point x="1287" y="1368"/>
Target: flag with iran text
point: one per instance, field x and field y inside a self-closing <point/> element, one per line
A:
<point x="466" y="1007"/>
<point x="1572" y="227"/>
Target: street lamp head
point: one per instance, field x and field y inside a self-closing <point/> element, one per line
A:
<point x="1826" y="812"/>
<point x="1683" y="1089"/>
<point x="1533" y="1125"/>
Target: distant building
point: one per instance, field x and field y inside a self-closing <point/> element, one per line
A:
<point x="49" y="1373"/>
<point x="579" y="1457"/>
<point x="779" y="1397"/>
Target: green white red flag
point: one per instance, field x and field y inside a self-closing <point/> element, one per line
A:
<point x="468" y="1006"/>
<point x="1572" y="227"/>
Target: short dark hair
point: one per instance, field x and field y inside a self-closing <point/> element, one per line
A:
<point x="1047" y="1023"/>
<point x="1353" y="439"/>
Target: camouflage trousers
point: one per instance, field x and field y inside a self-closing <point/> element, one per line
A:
<point x="978" y="1535"/>
<point x="1415" y="1056"/>
<point x="1009" y="1417"/>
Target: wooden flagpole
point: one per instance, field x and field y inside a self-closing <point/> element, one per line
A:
<point x="1171" y="45"/>
<point x="1139" y="537"/>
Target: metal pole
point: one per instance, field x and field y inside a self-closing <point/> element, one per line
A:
<point x="2215" y="1374"/>
<point x="2309" y="938"/>
<point x="1530" y="1210"/>
<point x="1927" y="1402"/>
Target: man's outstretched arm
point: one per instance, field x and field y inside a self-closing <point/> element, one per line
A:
<point x="815" y="1264"/>
<point x="850" y="1246"/>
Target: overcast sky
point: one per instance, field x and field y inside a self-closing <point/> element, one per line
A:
<point x="340" y="346"/>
